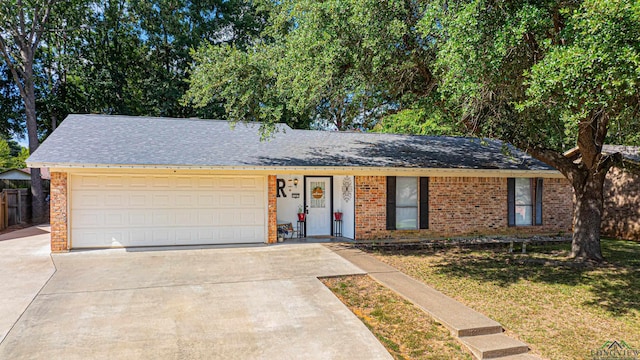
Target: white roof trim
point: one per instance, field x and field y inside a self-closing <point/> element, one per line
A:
<point x="359" y="170"/>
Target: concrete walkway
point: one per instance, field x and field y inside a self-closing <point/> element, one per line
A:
<point x="25" y="266"/>
<point x="482" y="336"/>
<point x="187" y="303"/>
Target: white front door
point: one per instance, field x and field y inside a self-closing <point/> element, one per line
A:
<point x="318" y="201"/>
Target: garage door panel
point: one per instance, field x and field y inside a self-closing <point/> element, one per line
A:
<point x="250" y="183"/>
<point x="137" y="217"/>
<point x="161" y="200"/>
<point x="87" y="219"/>
<point x="254" y="199"/>
<point x="115" y="211"/>
<point x="138" y="200"/>
<point x="207" y="200"/>
<point x="252" y="218"/>
<point x="137" y="181"/>
<point x="115" y="200"/>
<point x="115" y="220"/>
<point x="112" y="182"/>
<point x="163" y="217"/>
<point x="160" y="183"/>
<point x="207" y="182"/>
<point x="185" y="200"/>
<point x="185" y="182"/>
<point x="83" y="199"/>
<point x="102" y="238"/>
<point x="88" y="182"/>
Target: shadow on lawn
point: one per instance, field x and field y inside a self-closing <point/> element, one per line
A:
<point x="616" y="285"/>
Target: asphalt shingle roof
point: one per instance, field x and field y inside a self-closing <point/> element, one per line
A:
<point x="136" y="141"/>
<point x="628" y="152"/>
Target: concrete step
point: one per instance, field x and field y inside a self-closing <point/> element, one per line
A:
<point x="520" y="357"/>
<point x="457" y="317"/>
<point x="494" y="346"/>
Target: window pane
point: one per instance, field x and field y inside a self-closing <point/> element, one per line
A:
<point x="406" y="191"/>
<point x="523" y="214"/>
<point x="523" y="191"/>
<point x="407" y="218"/>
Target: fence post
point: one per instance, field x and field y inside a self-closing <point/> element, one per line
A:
<point x="5" y="210"/>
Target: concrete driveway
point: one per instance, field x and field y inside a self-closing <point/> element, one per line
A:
<point x="232" y="303"/>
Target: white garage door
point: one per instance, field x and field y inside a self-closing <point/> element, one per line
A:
<point x="155" y="210"/>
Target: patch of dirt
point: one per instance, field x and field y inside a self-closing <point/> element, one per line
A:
<point x="406" y="331"/>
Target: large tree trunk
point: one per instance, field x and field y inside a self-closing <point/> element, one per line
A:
<point x="37" y="193"/>
<point x="587" y="217"/>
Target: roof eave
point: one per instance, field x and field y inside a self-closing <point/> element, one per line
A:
<point x="313" y="170"/>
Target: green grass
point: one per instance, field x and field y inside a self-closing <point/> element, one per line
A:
<point x="560" y="309"/>
<point x="406" y="331"/>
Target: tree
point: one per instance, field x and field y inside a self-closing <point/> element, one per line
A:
<point x="333" y="64"/>
<point x="21" y="29"/>
<point x="171" y="29"/>
<point x="10" y="108"/>
<point x="12" y="155"/>
<point x="545" y="76"/>
<point x="136" y="54"/>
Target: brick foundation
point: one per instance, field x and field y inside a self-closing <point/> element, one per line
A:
<point x="59" y="218"/>
<point x="621" y="216"/>
<point x="461" y="206"/>
<point x="272" y="227"/>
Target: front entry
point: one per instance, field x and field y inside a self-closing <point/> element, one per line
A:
<point x="318" y="204"/>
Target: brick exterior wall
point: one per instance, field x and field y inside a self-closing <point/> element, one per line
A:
<point x="58" y="211"/>
<point x="461" y="206"/>
<point x="621" y="216"/>
<point x="370" y="207"/>
<point x="272" y="227"/>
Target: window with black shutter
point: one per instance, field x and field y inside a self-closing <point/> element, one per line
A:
<point x="524" y="201"/>
<point x="407" y="203"/>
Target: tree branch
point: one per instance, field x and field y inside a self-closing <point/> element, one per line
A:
<point x="602" y="126"/>
<point x="34" y="25"/>
<point x="43" y="21"/>
<point x="553" y="158"/>
<point x="14" y="70"/>
<point x="21" y="24"/>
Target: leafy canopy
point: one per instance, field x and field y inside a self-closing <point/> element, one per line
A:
<point x="336" y="64"/>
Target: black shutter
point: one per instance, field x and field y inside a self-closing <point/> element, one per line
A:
<point x="511" y="201"/>
<point x="424" y="203"/>
<point x="538" y="220"/>
<point x="391" y="202"/>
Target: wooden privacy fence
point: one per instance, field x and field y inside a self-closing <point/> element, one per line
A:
<point x="15" y="207"/>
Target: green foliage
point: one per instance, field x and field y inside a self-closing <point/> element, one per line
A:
<point x="483" y="52"/>
<point x="331" y="64"/>
<point x="528" y="72"/>
<point x="9" y="104"/>
<point x="241" y="80"/>
<point x="123" y="57"/>
<point x="416" y="122"/>
<point x="10" y="158"/>
<point x="19" y="161"/>
<point x="597" y="71"/>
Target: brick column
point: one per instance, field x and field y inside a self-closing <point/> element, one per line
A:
<point x="371" y="207"/>
<point x="272" y="228"/>
<point x="59" y="218"/>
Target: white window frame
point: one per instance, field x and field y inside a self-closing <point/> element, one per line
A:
<point x="416" y="181"/>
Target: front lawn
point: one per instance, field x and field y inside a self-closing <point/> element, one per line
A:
<point x="561" y="310"/>
<point x="405" y="330"/>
